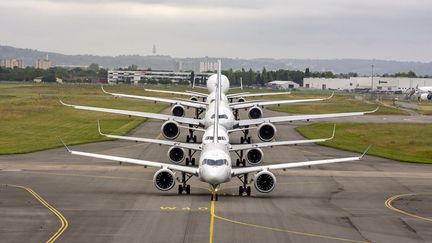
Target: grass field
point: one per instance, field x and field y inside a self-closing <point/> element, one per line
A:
<point x="403" y="142"/>
<point x="31" y="118"/>
<point x="339" y="103"/>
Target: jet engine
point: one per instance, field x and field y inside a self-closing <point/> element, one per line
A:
<point x="178" y="110"/>
<point x="264" y="181"/>
<point x="194" y="98"/>
<point x="255" y="112"/>
<point x="266" y="132"/>
<point x="241" y="99"/>
<point x="176" y="155"/>
<point x="170" y="130"/>
<point x="164" y="179"/>
<point x="254" y="156"/>
<point x="426" y="96"/>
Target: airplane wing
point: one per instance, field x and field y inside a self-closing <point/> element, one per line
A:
<point x="236" y="147"/>
<point x="186" y="169"/>
<point x="277" y="119"/>
<point x="245" y="170"/>
<point x="274" y="102"/>
<point x="256" y="94"/>
<point x="163" y="117"/>
<point x="155" y="99"/>
<point x="192" y="146"/>
<point x="198" y="94"/>
<point x="201" y="95"/>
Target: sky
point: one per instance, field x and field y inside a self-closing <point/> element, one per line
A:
<point x="366" y="29"/>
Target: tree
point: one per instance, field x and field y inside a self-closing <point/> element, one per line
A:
<point x="94" y="67"/>
<point x="307" y="73"/>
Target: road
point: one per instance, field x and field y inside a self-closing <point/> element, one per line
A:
<point x="374" y="200"/>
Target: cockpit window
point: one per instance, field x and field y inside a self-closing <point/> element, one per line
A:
<point x="223" y="116"/>
<point x="213" y="162"/>
<point x="211" y="138"/>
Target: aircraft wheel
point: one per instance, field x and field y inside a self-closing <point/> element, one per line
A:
<point x="249" y="140"/>
<point x="216" y="197"/>
<point x="211" y="197"/>
<point x="180" y="189"/>
<point x="188" y="189"/>
<point x="187" y="138"/>
<point x="193" y="161"/>
<point x="240" y="191"/>
<point x="244" y="162"/>
<point x="187" y="161"/>
<point x="237" y="162"/>
<point x="248" y="190"/>
<point x="241" y="140"/>
<point x="194" y="138"/>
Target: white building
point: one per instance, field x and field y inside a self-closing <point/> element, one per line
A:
<point x="11" y="63"/>
<point x="128" y="76"/>
<point x="208" y="66"/>
<point x="278" y="84"/>
<point x="387" y="84"/>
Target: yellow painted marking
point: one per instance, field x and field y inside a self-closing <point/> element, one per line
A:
<point x="389" y="205"/>
<point x="63" y="221"/>
<point x="212" y="216"/>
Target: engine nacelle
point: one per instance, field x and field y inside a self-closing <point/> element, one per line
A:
<point x="255" y="112"/>
<point x="164" y="179"/>
<point x="176" y="155"/>
<point x="266" y="132"/>
<point x="426" y="96"/>
<point x="264" y="181"/>
<point x="254" y="156"/>
<point x="178" y="110"/>
<point x="241" y="99"/>
<point x="170" y="130"/>
<point x="194" y="98"/>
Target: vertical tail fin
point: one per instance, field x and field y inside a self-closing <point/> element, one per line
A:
<point x="241" y="83"/>
<point x="217" y="101"/>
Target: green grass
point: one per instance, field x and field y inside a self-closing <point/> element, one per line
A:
<point x="338" y="103"/>
<point x="398" y="141"/>
<point x="32" y="119"/>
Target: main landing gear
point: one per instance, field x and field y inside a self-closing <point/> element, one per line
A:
<point x="245" y="189"/>
<point x="184" y="187"/>
<point x="214" y="196"/>
<point x="245" y="138"/>
<point x="240" y="161"/>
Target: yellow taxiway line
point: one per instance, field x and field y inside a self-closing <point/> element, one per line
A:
<point x="389" y="204"/>
<point x="213" y="216"/>
<point x="62" y="219"/>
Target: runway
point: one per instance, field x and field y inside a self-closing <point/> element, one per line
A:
<point x="374" y="200"/>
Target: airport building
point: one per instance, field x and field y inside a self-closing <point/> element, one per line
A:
<point x="378" y="84"/>
<point x="208" y="66"/>
<point x="135" y="76"/>
<point x="43" y="64"/>
<point x="11" y="63"/>
<point x="278" y="84"/>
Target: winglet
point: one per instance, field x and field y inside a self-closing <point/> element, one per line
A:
<point x="331" y="96"/>
<point x="365" y="152"/>
<point x="367" y="112"/>
<point x="99" y="129"/>
<point x="103" y="90"/>
<point x="64" y="103"/>
<point x="67" y="148"/>
<point x="334" y="131"/>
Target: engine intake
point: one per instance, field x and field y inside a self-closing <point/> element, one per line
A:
<point x="194" y="98"/>
<point x="266" y="132"/>
<point x="170" y="130"/>
<point x="254" y="156"/>
<point x="176" y="155"/>
<point x="241" y="99"/>
<point x="426" y="96"/>
<point x="178" y="110"/>
<point x="255" y="112"/>
<point x="164" y="179"/>
<point x="264" y="181"/>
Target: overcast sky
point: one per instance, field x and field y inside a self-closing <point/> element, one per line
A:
<point x="380" y="29"/>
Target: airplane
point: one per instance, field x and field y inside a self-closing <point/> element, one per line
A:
<point x="424" y="93"/>
<point x="254" y="154"/>
<point x="215" y="167"/>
